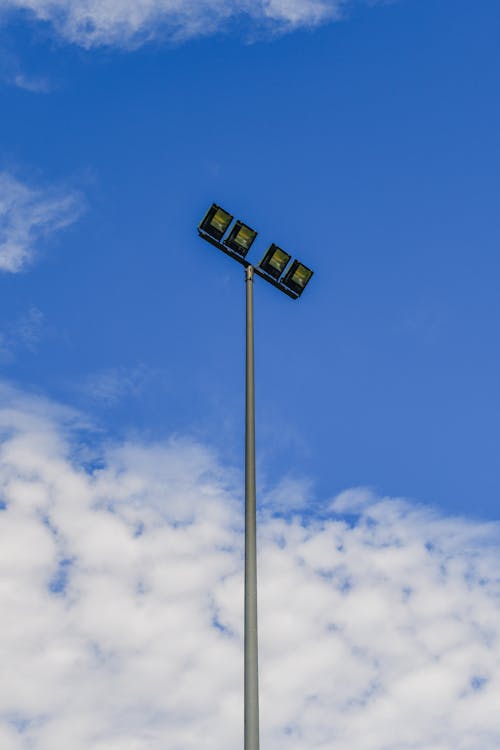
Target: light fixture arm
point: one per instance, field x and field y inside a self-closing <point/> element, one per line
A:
<point x="246" y="263"/>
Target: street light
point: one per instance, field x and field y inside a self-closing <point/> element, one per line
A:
<point x="212" y="228"/>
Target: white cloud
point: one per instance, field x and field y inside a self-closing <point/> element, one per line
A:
<point x="28" y="214"/>
<point x="123" y="22"/>
<point x="121" y="598"/>
<point x="289" y="493"/>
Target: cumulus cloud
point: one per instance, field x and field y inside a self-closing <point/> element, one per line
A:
<point x="123" y="22"/>
<point x="28" y="214"/>
<point x="121" y="594"/>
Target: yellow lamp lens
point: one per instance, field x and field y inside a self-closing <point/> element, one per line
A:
<point x="278" y="260"/>
<point x="221" y="220"/>
<point x="245" y="237"/>
<point x="301" y="276"/>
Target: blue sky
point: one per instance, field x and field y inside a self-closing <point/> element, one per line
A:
<point x="368" y="147"/>
<point x="361" y="137"/>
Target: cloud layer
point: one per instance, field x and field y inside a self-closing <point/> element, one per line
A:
<point x="124" y="22"/>
<point x="121" y="597"/>
<point x="28" y="214"/>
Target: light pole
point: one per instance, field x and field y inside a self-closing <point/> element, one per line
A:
<point x="271" y="268"/>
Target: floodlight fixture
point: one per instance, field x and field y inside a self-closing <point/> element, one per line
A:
<point x="216" y="222"/>
<point x="240" y="238"/>
<point x="274" y="261"/>
<point x="297" y="277"/>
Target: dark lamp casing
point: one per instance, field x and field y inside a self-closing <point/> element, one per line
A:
<point x="274" y="261"/>
<point x="297" y="277"/>
<point x="216" y="222"/>
<point x="241" y="238"/>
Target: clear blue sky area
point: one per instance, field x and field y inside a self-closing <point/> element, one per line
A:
<point x="369" y="148"/>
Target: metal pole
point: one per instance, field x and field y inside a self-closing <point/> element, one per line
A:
<point x="251" y="698"/>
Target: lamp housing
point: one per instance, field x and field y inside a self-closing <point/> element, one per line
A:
<point x="216" y="222"/>
<point x="297" y="277"/>
<point x="274" y="261"/>
<point x="240" y="238"/>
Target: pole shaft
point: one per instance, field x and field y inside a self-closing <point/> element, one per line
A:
<point x="251" y="697"/>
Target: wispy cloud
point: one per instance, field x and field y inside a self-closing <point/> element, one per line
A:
<point x="290" y="493"/>
<point x="34" y="84"/>
<point x="27" y="215"/>
<point x="24" y="333"/>
<point x="127" y="22"/>
<point x="121" y="588"/>
<point x="111" y="385"/>
<point x="13" y="74"/>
